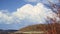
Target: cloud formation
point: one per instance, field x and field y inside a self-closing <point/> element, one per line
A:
<point x="7" y="19"/>
<point x="35" y="14"/>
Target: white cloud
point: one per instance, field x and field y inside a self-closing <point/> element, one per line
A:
<point x="33" y="13"/>
<point x="7" y="19"/>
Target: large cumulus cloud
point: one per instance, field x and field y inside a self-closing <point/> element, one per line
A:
<point x="35" y="14"/>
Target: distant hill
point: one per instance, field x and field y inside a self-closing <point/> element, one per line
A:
<point x="7" y="31"/>
<point x="32" y="28"/>
<point x="37" y="27"/>
<point x="46" y="28"/>
<point x="41" y="27"/>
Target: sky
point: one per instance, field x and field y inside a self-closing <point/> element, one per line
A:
<point x="16" y="14"/>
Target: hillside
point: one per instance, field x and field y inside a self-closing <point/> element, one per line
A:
<point x="40" y="28"/>
<point x="32" y="28"/>
<point x="47" y="28"/>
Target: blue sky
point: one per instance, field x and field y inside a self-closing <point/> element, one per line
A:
<point x="14" y="13"/>
<point x="11" y="5"/>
